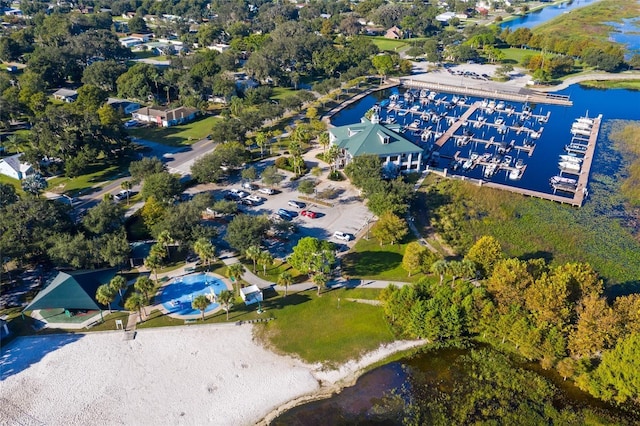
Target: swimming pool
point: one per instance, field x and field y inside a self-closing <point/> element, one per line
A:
<point x="176" y="296"/>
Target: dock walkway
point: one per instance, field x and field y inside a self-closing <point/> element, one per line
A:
<point x="522" y="95"/>
<point x="455" y="126"/>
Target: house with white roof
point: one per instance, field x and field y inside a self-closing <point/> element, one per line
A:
<point x="14" y="168"/>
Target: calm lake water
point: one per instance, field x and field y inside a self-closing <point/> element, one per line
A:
<point x="627" y="32"/>
<point x="541" y="16"/>
<point x="555" y="133"/>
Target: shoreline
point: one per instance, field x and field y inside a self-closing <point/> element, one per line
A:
<point x="200" y="374"/>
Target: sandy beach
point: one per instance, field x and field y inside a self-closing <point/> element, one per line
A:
<point x="210" y="374"/>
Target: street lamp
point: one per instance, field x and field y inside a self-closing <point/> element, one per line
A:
<point x="367" y="222"/>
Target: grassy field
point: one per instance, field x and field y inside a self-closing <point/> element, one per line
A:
<point x="185" y="134"/>
<point x="387" y="44"/>
<point x="529" y="227"/>
<point x="13" y="182"/>
<point x="279" y="93"/>
<point x="369" y="260"/>
<point x="96" y="175"/>
<point x="325" y="329"/>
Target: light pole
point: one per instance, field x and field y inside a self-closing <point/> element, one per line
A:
<point x="368" y="222"/>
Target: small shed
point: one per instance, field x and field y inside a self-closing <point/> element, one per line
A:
<point x="251" y="294"/>
<point x="66" y="95"/>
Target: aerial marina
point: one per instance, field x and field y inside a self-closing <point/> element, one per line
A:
<point x="492" y="141"/>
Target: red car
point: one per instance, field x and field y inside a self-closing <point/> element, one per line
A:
<point x="309" y="214"/>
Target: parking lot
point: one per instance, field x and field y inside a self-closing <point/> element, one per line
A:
<point x="345" y="212"/>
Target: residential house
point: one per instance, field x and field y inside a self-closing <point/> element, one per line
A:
<point x="394" y="33"/>
<point x="371" y="137"/>
<point x="14" y="168"/>
<point x="165" y="117"/>
<point x="219" y="47"/>
<point x="66" y="95"/>
<point x="124" y="105"/>
<point x="129" y="42"/>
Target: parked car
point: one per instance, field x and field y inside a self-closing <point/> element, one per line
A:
<point x="238" y="192"/>
<point x="308" y="213"/>
<point x="254" y="199"/>
<point x="285" y="214"/>
<point x="122" y="195"/>
<point x="267" y="191"/>
<point x="250" y="186"/>
<point x="342" y="236"/>
<point x="296" y="204"/>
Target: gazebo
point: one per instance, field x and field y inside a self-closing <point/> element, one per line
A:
<point x="72" y="291"/>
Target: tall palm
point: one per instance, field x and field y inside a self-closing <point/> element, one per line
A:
<point x="323" y="139"/>
<point x="234" y="272"/>
<point x="265" y="259"/>
<point x="205" y="250"/>
<point x="332" y="156"/>
<point x="439" y="267"/>
<point x="118" y="283"/>
<point x="105" y="295"/>
<point x="165" y="239"/>
<point x="226" y="300"/>
<point x="468" y="269"/>
<point x="135" y="302"/>
<point x="455" y="269"/>
<point x="126" y="185"/>
<point x="285" y="279"/>
<point x="153" y="262"/>
<point x="320" y="280"/>
<point x="253" y="253"/>
<point x="261" y="139"/>
<point x="145" y="286"/>
<point x="201" y="303"/>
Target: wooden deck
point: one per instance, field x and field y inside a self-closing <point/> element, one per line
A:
<point x="451" y="130"/>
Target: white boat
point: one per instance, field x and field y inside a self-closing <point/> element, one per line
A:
<point x="467" y="164"/>
<point x="506" y="160"/>
<point x="571" y="158"/>
<point x="581" y="132"/>
<point x="503" y="129"/>
<point x="515" y="174"/>
<point x="576" y="147"/>
<point x="568" y="165"/>
<point x="585" y="120"/>
<point x="490" y="169"/>
<point x="579" y="125"/>
<point x="563" y="180"/>
<point x="403" y="112"/>
<point x="510" y="109"/>
<point x="432" y="95"/>
<point x="535" y="135"/>
<point x="519" y="163"/>
<point x="498" y="121"/>
<point x="500" y="106"/>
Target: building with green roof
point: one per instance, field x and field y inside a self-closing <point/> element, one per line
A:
<point x="371" y="137"/>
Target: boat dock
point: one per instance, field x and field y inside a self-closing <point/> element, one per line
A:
<point x="579" y="190"/>
<point x="455" y="126"/>
<point x="522" y="95"/>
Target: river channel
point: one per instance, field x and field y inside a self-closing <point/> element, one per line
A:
<point x="543" y="15"/>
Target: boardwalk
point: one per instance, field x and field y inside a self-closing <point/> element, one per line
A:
<point x="451" y="130"/>
<point x="523" y="95"/>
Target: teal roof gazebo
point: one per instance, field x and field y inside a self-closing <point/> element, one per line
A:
<point x="72" y="290"/>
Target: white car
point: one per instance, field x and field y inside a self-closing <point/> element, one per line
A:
<point x="238" y="192"/>
<point x="254" y="198"/>
<point x="267" y="191"/>
<point x="122" y="195"/>
<point x="342" y="236"/>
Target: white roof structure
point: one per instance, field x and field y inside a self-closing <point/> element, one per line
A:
<point x="251" y="294"/>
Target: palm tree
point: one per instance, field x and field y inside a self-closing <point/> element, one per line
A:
<point x="153" y="262"/>
<point x="332" y="156"/>
<point x="323" y="139"/>
<point x="145" y="286"/>
<point x="320" y="280"/>
<point x="205" y="250"/>
<point x="201" y="303"/>
<point x="126" y="185"/>
<point x="234" y="272"/>
<point x="164" y="239"/>
<point x="439" y="267"/>
<point x="105" y="295"/>
<point x="266" y="259"/>
<point x="261" y="139"/>
<point x="455" y="269"/>
<point x="118" y="283"/>
<point x="135" y="302"/>
<point x="226" y="300"/>
<point x="253" y="253"/>
<point x="468" y="269"/>
<point x="285" y="279"/>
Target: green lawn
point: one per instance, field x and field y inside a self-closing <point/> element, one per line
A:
<point x="185" y="134"/>
<point x="280" y="93"/>
<point x="274" y="271"/>
<point x="369" y="260"/>
<point x="325" y="329"/>
<point x="387" y="44"/>
<point x="13" y="182"/>
<point x="96" y="175"/>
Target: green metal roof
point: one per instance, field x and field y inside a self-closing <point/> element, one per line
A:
<point x="369" y="138"/>
<point x="74" y="290"/>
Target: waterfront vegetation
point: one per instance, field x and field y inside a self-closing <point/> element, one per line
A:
<point x="626" y="137"/>
<point x="612" y="84"/>
<point x="529" y="227"/>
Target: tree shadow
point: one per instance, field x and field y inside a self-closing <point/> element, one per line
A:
<point x="623" y="289"/>
<point x="23" y="352"/>
<point x="368" y="263"/>
<point x="540" y="254"/>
